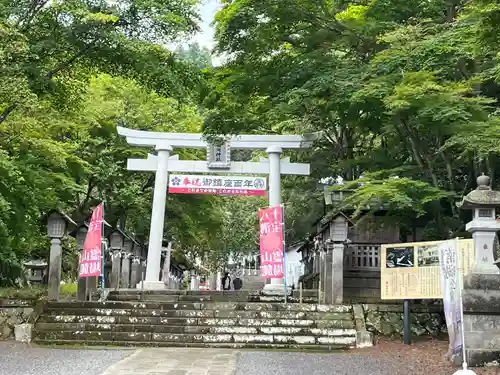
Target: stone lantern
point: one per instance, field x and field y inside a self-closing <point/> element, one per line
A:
<point x="484" y="225"/>
<point x="57" y="227"/>
<point x="480" y="294"/>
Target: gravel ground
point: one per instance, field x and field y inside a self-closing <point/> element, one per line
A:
<point x="386" y="358"/>
<point x="18" y="359"/>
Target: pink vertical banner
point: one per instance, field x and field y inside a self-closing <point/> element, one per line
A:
<point x="91" y="259"/>
<point x="271" y="242"/>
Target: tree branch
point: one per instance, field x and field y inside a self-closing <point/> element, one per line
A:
<point x="7" y="112"/>
<point x="49" y="75"/>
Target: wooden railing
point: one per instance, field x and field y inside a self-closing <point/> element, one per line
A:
<point x="362" y="257"/>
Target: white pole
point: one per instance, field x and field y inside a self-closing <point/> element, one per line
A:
<point x="464" y="370"/>
<point x="158" y="216"/>
<point x="274" y="153"/>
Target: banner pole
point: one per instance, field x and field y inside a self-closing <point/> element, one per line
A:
<point x="461" y="288"/>
<point x="284" y="250"/>
<point x="103" y="248"/>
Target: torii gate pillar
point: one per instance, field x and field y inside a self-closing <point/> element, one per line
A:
<point x="164" y="143"/>
<point x="157" y="217"/>
<point x="274" y="153"/>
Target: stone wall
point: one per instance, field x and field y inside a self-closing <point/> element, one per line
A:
<point x="387" y="320"/>
<point x="13" y="312"/>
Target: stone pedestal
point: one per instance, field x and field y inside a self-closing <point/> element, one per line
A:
<point x="481" y="303"/>
<point x="125" y="272"/>
<point x="116" y="264"/>
<point x="212" y="281"/>
<point x="55" y="268"/>
<point x="135" y="274"/>
<point x="81" y="293"/>
<point x="92" y="285"/>
<point x="334" y="276"/>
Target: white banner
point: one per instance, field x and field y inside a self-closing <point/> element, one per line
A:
<point x="449" y="261"/>
<point x="204" y="184"/>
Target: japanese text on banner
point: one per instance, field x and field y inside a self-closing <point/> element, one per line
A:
<point x="91" y="258"/>
<point x="450" y="285"/>
<point x="271" y="242"/>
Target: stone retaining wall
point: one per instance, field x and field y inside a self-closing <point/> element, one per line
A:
<point x="387" y="320"/>
<point x="13" y="312"/>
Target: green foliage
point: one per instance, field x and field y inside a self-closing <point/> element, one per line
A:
<point x="72" y="72"/>
<point x="398" y="88"/>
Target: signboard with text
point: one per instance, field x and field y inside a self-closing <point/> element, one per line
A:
<point x="271" y="242"/>
<point x="413" y="271"/>
<point x="91" y="258"/>
<point x="228" y="185"/>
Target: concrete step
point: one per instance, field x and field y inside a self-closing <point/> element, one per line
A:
<point x="231" y="306"/>
<point x="101" y="343"/>
<point x="308" y="296"/>
<point x="153" y="313"/>
<point x="197" y="323"/>
<point x="249" y="314"/>
<point x="193" y="329"/>
<point x="184" y="321"/>
<point x="347" y="340"/>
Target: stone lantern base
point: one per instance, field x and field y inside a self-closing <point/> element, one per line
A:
<point x="481" y="304"/>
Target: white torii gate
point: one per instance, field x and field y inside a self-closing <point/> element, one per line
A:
<point x="218" y="161"/>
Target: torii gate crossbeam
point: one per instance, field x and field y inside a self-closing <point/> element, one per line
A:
<point x="163" y="162"/>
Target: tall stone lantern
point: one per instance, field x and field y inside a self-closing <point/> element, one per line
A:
<point x="484" y="226"/>
<point x="57" y="226"/>
<point x="481" y="293"/>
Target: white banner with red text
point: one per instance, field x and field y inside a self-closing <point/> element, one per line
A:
<point x="226" y="185"/>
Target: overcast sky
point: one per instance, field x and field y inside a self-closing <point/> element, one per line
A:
<point x="207" y="10"/>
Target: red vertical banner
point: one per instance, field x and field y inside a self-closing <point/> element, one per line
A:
<point x="91" y="259"/>
<point x="271" y="242"/>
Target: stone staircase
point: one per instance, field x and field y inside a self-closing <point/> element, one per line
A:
<point x="196" y="320"/>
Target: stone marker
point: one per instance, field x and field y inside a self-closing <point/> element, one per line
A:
<point x="481" y="293"/>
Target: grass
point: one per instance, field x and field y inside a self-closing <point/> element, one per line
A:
<point x="36" y="292"/>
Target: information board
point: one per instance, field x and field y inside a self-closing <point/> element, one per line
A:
<point x="412" y="271"/>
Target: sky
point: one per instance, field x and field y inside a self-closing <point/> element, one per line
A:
<point x="205" y="37"/>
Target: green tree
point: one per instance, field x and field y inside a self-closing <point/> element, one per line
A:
<point x="196" y="55"/>
<point x="405" y="94"/>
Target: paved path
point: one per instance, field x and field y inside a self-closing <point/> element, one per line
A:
<point x="18" y="359"/>
<point x="176" y="362"/>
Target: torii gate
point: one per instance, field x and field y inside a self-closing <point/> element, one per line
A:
<point x="218" y="161"/>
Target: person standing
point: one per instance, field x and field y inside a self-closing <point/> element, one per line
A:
<point x="237" y="283"/>
<point x="226" y="281"/>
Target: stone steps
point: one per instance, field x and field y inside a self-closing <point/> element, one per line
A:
<point x="194" y="329"/>
<point x="128" y="295"/>
<point x="103" y="343"/>
<point x="199" y="321"/>
<point x="285" y="338"/>
<point x="209" y="322"/>
<point x="225" y="317"/>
